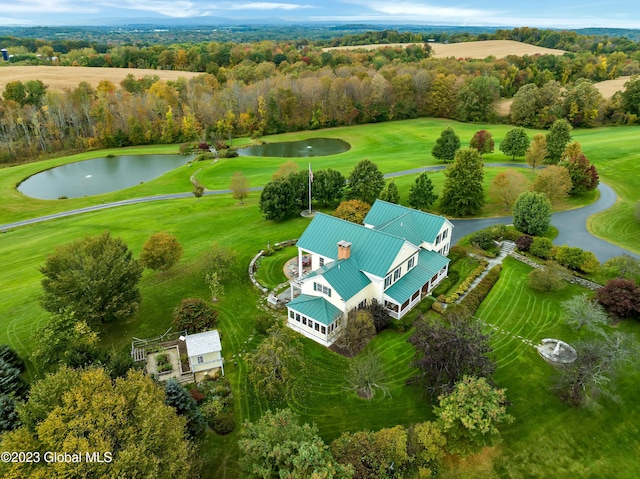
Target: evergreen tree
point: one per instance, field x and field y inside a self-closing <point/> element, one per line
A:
<point x="463" y="193"/>
<point x="390" y="193"/>
<point x="8" y="416"/>
<point x="421" y="194"/>
<point x="179" y="398"/>
<point x="446" y="145"/>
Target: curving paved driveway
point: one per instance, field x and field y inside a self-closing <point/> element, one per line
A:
<point x="572" y="224"/>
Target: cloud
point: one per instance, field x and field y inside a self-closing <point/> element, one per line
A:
<point x="427" y="11"/>
<point x="267" y="6"/>
<point x="43" y="7"/>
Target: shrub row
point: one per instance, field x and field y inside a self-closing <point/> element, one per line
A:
<point x="464" y="286"/>
<point x="472" y="300"/>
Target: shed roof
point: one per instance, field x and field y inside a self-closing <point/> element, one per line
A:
<point x="203" y="343"/>
<point x="315" y="307"/>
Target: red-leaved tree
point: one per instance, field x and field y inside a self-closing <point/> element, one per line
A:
<point x="620" y="297"/>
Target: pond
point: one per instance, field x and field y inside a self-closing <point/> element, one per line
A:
<point x="100" y="175"/>
<point x="298" y="149"/>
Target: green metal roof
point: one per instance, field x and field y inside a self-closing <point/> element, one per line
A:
<point x="429" y="263"/>
<point x="344" y="277"/>
<point x="316" y="308"/>
<point x="373" y="251"/>
<point x="414" y="225"/>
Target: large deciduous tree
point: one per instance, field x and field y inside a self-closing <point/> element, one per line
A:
<point x="470" y="415"/>
<point x="447" y="144"/>
<point x="625" y="267"/>
<point x="275" y="362"/>
<point x="631" y="96"/>
<point x="507" y="186"/>
<point x="584" y="176"/>
<point x="558" y="138"/>
<point x="366" y="182"/>
<point x="580" y="311"/>
<point x="532" y="213"/>
<point x="482" y="141"/>
<point x="328" y="187"/>
<point x="358" y="330"/>
<point x="74" y="411"/>
<point x="446" y="352"/>
<point x="161" y="251"/>
<point x="96" y="278"/>
<point x="537" y="152"/>
<point x="515" y="143"/>
<point x="421" y="195"/>
<point x="463" y="193"/>
<point x="477" y="99"/>
<point x="352" y="210"/>
<point x="581" y="103"/>
<point x="554" y="181"/>
<point x="591" y="375"/>
<point x="278" y="200"/>
<point x="366" y="375"/>
<point x="278" y="446"/>
<point x="194" y="315"/>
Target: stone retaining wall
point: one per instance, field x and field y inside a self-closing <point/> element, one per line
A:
<point x="252" y="264"/>
<point x="585" y="283"/>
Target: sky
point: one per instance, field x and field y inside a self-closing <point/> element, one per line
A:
<point x="503" y="13"/>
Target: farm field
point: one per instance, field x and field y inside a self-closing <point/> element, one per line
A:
<point x="58" y="78"/>
<point x="479" y="49"/>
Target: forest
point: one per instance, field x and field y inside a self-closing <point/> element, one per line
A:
<point x="267" y="87"/>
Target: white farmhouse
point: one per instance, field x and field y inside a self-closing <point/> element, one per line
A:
<point x="397" y="258"/>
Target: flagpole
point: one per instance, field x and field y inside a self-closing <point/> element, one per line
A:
<point x="310" y="179"/>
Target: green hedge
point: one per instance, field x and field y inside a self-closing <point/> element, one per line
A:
<point x="472" y="300"/>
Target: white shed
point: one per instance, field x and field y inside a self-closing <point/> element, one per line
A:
<point x="205" y="352"/>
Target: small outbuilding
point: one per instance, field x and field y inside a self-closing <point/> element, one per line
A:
<point x="205" y="353"/>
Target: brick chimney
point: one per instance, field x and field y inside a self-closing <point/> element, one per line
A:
<point x="344" y="249"/>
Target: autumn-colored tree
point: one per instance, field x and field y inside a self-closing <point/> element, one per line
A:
<point x="584" y="176"/>
<point x="620" y="297"/>
<point x="78" y="411"/>
<point x="161" y="251"/>
<point x="352" y="210"/>
<point x="470" y="415"/>
<point x="285" y="169"/>
<point x="239" y="186"/>
<point x="554" y="182"/>
<point x="537" y="152"/>
<point x="482" y="141"/>
<point x="198" y="190"/>
<point x="358" y="330"/>
<point x="194" y="315"/>
<point x="427" y="444"/>
<point x="507" y="186"/>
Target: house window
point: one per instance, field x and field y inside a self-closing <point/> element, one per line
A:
<point x="200" y="359"/>
<point x="321" y="261"/>
<point x="438" y="240"/>
<point x="297" y="317"/>
<point x="323" y="330"/>
<point x="304" y="320"/>
<point x="445" y="233"/>
<point x="362" y="304"/>
<point x="317" y="326"/>
<point x="291" y="314"/>
<point x="411" y="263"/>
<point x="387" y="282"/>
<point x="396" y="274"/>
<point x="322" y="289"/>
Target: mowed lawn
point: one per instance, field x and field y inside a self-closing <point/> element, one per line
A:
<point x="549" y="439"/>
<point x="598" y="440"/>
<point x="393" y="146"/>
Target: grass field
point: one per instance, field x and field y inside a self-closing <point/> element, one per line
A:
<point x="549" y="439"/>
<point x="320" y="393"/>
